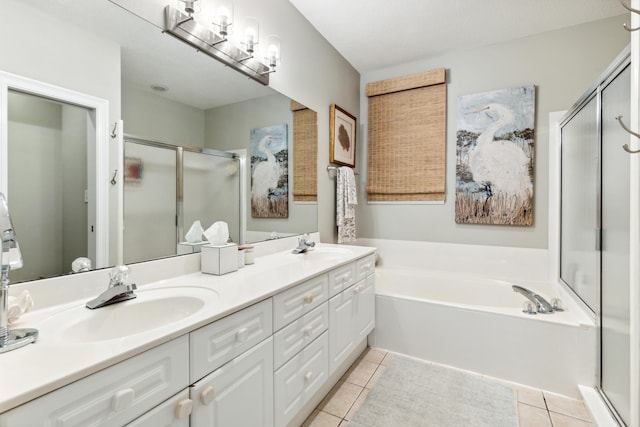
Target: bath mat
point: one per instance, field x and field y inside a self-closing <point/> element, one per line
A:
<point x="414" y="393"/>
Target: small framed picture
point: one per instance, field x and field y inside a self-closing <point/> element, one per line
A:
<point x="342" y="132"/>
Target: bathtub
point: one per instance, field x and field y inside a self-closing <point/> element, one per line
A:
<point x="477" y="324"/>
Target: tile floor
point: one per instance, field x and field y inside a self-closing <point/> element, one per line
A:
<point x="535" y="408"/>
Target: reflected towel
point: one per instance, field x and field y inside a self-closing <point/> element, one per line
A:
<point x="18" y="306"/>
<point x="346" y="201"/>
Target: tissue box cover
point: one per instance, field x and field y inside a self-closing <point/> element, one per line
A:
<point x="219" y="259"/>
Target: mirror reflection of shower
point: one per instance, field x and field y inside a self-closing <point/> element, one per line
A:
<point x="167" y="188"/>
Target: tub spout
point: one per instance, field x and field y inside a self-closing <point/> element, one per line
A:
<point x="541" y="304"/>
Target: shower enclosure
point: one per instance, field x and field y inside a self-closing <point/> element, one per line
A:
<point x="594" y="223"/>
<point x="168" y="187"/>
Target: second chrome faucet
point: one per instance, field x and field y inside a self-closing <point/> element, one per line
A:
<point x="540" y="304"/>
<point x="117" y="291"/>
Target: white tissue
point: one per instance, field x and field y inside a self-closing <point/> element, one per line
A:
<point x="218" y="233"/>
<point x="194" y="235"/>
<point x="18" y="306"/>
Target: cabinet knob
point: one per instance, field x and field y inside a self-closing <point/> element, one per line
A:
<point x="123" y="399"/>
<point x="308" y="376"/>
<point x="208" y="395"/>
<point x="184" y="409"/>
<point x="307" y="331"/>
<point x="308" y="299"/>
<point x="242" y="335"/>
<point x="357" y="289"/>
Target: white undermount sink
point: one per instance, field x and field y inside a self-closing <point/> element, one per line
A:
<point x="152" y="309"/>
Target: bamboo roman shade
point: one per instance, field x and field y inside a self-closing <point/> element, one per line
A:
<point x="305" y="150"/>
<point x="406" y="138"/>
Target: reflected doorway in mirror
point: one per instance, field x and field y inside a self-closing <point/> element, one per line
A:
<point x="270" y="172"/>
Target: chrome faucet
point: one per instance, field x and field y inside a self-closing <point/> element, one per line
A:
<point x="303" y="244"/>
<point x="117" y="291"/>
<point x="10" y="258"/>
<point x="541" y="305"/>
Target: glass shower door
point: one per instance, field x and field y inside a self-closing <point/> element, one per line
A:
<point x="149" y="202"/>
<point x="615" y="317"/>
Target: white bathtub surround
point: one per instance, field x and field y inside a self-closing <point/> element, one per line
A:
<point x="453" y="304"/>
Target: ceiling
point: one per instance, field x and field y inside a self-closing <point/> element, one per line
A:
<point x="373" y="34"/>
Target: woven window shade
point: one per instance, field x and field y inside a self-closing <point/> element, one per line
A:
<point x="305" y="151"/>
<point x="406" y="141"/>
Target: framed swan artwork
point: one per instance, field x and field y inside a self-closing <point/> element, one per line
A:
<point x="342" y="133"/>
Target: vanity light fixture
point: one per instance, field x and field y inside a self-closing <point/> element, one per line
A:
<point x="205" y="40"/>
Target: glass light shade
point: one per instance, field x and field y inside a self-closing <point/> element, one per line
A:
<point x="273" y="51"/>
<point x="224" y="18"/>
<point x="189" y="6"/>
<point x="251" y="33"/>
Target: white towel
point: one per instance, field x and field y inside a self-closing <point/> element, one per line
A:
<point x="18" y="306"/>
<point x="346" y="201"/>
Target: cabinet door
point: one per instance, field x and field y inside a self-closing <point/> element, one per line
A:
<point x="365" y="301"/>
<point x="297" y="381"/>
<point x="113" y="396"/>
<point x="240" y="393"/>
<point x="342" y="316"/>
<point x="173" y="412"/>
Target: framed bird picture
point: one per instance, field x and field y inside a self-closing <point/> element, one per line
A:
<point x="495" y="157"/>
<point x="270" y="172"/>
<point x="342" y="137"/>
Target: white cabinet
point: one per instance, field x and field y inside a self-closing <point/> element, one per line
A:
<point x="219" y="342"/>
<point x="288" y="341"/>
<point x="351" y="318"/>
<point x="240" y="393"/>
<point x="173" y="412"/>
<point x="113" y="396"/>
<point x="299" y="300"/>
<point x="298" y="380"/>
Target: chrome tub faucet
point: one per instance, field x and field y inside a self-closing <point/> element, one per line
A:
<point x="117" y="291"/>
<point x="541" y="305"/>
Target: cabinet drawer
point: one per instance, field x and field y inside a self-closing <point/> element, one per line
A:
<point x="299" y="379"/>
<point x="113" y="396"/>
<point x="174" y="412"/>
<point x="341" y="278"/>
<point x="294" y="337"/>
<point x="215" y="344"/>
<point x="299" y="300"/>
<point x="365" y="267"/>
<point x="240" y="393"/>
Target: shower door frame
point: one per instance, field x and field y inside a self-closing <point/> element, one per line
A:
<point x="179" y="150"/>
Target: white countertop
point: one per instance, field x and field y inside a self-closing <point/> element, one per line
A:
<point x="50" y="363"/>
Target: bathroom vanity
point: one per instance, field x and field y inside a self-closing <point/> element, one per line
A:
<point x="258" y="347"/>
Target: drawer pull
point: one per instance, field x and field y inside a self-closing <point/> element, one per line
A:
<point x="357" y="289"/>
<point x="308" y="299"/>
<point x="123" y="399"/>
<point x="208" y="395"/>
<point x="184" y="409"/>
<point x="308" y="376"/>
<point x="307" y="331"/>
<point x="242" y="335"/>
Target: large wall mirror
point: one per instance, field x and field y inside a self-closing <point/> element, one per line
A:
<point x="171" y="96"/>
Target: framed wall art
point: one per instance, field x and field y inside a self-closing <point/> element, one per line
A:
<point x="342" y="133"/>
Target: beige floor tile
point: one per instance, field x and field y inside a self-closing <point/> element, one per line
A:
<point x="375" y="377"/>
<point x="340" y="398"/>
<point x="360" y="372"/>
<point x="356" y="404"/>
<point x="374" y="355"/>
<point x="322" y="419"/>
<point x="344" y="423"/>
<point x="530" y="416"/>
<point x="560" y="420"/>
<point x="531" y="397"/>
<point x="387" y="358"/>
<point x="565" y="406"/>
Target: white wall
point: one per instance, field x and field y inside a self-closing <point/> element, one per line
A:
<point x="153" y="117"/>
<point x="562" y="64"/>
